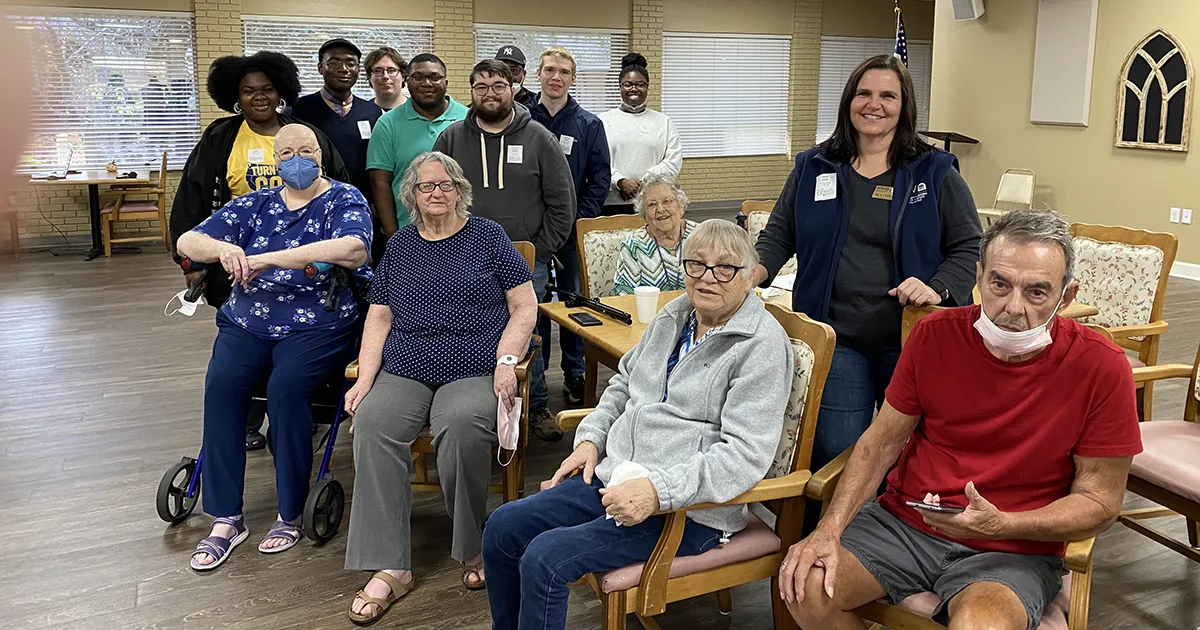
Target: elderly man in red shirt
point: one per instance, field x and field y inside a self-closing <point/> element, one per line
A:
<point x="1021" y="421"/>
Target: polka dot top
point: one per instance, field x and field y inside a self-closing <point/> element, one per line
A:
<point x="447" y="300"/>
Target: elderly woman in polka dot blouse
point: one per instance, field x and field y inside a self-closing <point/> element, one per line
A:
<point x="452" y="307"/>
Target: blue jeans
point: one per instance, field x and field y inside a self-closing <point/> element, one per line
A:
<point x="299" y="364"/>
<point x="853" y="391"/>
<point x="534" y="547"/>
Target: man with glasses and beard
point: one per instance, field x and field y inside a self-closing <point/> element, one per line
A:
<point x="520" y="179"/>
<point x="404" y="133"/>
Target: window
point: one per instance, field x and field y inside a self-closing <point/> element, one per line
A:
<point x="1156" y="95"/>
<point x="597" y="55"/>
<point x="300" y="38"/>
<point x="841" y="55"/>
<point x="727" y="94"/>
<point x="109" y="86"/>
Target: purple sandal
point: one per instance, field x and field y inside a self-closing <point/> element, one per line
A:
<point x="281" y="529"/>
<point x="219" y="547"/>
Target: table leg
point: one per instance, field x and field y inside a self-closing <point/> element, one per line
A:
<point x="590" y="373"/>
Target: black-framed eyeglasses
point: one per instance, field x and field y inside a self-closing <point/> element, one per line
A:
<point x="641" y="85"/>
<point x="427" y="187"/>
<point x="482" y="89"/>
<point x="723" y="273"/>
<point x="418" y="79"/>
<point x="379" y="73"/>
<point x="334" y="64"/>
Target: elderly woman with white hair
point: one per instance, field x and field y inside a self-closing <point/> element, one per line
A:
<point x="650" y="256"/>
<point x="706" y="387"/>
<point x="452" y="307"/>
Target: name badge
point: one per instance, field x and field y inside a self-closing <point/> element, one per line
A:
<point x="566" y="142"/>
<point x="882" y="192"/>
<point x="364" y="129"/>
<point x="516" y="154"/>
<point x="826" y="187"/>
<point x="256" y="156"/>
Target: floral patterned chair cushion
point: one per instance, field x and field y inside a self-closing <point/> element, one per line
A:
<point x="804" y="360"/>
<point x="755" y="222"/>
<point x="1117" y="278"/>
<point x="602" y="251"/>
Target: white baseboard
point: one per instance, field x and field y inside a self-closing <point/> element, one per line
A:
<point x="1190" y="271"/>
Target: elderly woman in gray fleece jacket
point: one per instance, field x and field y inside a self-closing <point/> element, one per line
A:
<point x="694" y="415"/>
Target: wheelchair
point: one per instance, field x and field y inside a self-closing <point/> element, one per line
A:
<point x="179" y="489"/>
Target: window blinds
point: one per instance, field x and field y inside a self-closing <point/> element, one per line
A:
<point x="109" y="85"/>
<point x="300" y="38"/>
<point x="727" y="94"/>
<point x="841" y="55"/>
<point x="597" y="55"/>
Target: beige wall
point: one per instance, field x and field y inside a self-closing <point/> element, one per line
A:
<point x="876" y="18"/>
<point x="722" y="16"/>
<point x="578" y="14"/>
<point x="982" y="78"/>
<point x="416" y="10"/>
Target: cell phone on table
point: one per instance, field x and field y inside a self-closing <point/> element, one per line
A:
<point x="931" y="507"/>
<point x="584" y="319"/>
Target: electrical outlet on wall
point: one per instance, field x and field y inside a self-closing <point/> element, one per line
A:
<point x="1174" y="215"/>
<point x="1187" y="216"/>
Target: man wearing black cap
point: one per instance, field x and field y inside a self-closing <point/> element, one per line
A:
<point x="515" y="60"/>
<point x="344" y="117"/>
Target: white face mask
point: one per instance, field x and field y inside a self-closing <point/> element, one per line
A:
<point x="187" y="308"/>
<point x="1014" y="344"/>
<point x="516" y="87"/>
<point x="508" y="428"/>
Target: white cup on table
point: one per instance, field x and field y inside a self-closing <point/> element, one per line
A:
<point x="647" y="303"/>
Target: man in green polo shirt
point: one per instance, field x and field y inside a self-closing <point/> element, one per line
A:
<point x="406" y="132"/>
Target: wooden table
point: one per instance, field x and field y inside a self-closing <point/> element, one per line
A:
<point x="607" y="343"/>
<point x="93" y="180"/>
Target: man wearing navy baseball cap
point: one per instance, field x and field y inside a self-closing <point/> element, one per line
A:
<point x="515" y="60"/>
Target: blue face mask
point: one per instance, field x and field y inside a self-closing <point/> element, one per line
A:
<point x="299" y="172"/>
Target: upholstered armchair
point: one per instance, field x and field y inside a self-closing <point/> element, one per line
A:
<point x="757" y="213"/>
<point x="598" y="242"/>
<point x="755" y="552"/>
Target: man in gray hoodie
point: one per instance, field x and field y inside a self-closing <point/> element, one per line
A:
<point x="521" y="180"/>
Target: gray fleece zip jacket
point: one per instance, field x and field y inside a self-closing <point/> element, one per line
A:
<point x="519" y="178"/>
<point x="716" y="434"/>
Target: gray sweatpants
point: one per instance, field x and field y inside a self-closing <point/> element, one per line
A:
<point x="462" y="416"/>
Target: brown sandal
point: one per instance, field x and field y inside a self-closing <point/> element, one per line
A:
<point x="381" y="605"/>
<point x="479" y="584"/>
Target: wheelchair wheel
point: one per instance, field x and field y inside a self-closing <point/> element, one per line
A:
<point x="323" y="510"/>
<point x="173" y="504"/>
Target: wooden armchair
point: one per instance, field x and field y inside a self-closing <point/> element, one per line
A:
<point x="1068" y="611"/>
<point x="512" y="483"/>
<point x="598" y="242"/>
<point x="1123" y="272"/>
<point x="755" y="552"/>
<point x="125" y="210"/>
<point x="757" y="213"/>
<point x="1166" y="472"/>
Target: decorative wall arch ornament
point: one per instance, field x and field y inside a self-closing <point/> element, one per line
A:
<point x="1154" y="95"/>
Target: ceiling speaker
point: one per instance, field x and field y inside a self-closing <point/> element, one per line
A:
<point x="967" y="9"/>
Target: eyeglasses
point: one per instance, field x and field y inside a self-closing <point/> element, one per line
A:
<point x="418" y="79"/>
<point x="379" y="73"/>
<point x="482" y="89"/>
<point x="287" y="154"/>
<point x="723" y="273"/>
<point x="641" y="85"/>
<point x="427" y="187"/>
<point x="334" y="64"/>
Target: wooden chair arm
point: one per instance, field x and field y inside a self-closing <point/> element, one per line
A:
<point x="1152" y="373"/>
<point x="1137" y="330"/>
<point x="1078" y="557"/>
<point x="522" y="368"/>
<point x="824" y="481"/>
<point x="785" y="487"/>
<point x="352" y="371"/>
<point x="569" y="419"/>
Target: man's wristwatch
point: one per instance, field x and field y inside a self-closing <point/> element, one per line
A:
<point x="941" y="290"/>
<point x="507" y="359"/>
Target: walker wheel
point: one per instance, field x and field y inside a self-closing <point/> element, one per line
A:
<point x="173" y="504"/>
<point x="323" y="510"/>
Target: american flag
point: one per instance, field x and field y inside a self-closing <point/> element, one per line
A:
<point x="901" y="37"/>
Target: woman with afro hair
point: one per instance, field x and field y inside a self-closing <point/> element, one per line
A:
<point x="235" y="155"/>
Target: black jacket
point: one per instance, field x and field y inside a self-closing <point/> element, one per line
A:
<point x="203" y="189"/>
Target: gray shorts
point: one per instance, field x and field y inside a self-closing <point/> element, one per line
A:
<point x="906" y="561"/>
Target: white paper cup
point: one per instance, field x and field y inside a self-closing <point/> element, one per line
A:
<point x="647" y="303"/>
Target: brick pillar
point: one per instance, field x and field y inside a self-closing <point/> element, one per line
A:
<point x="218" y="34"/>
<point x="645" y="37"/>
<point x="454" y="43"/>
<point x="806" y="72"/>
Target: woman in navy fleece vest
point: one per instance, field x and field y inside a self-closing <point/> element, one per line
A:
<point x="877" y="219"/>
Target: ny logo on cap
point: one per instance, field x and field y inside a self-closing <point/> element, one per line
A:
<point x="508" y="51"/>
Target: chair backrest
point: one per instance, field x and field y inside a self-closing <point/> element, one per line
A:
<point x="812" y="347"/>
<point x="757" y="214"/>
<point x="162" y="172"/>
<point x="1015" y="191"/>
<point x="1123" y="272"/>
<point x="598" y="242"/>
<point x="912" y="315"/>
<point x="528" y="251"/>
<point x="755" y="222"/>
<point x="1193" y="400"/>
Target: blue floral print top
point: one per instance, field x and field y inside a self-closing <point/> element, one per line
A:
<point x="283" y="301"/>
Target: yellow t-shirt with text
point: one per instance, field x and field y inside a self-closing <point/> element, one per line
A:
<point x="251" y="163"/>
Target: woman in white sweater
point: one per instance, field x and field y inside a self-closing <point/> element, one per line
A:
<point x="641" y="141"/>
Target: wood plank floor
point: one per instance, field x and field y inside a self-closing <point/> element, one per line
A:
<point x="101" y="393"/>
